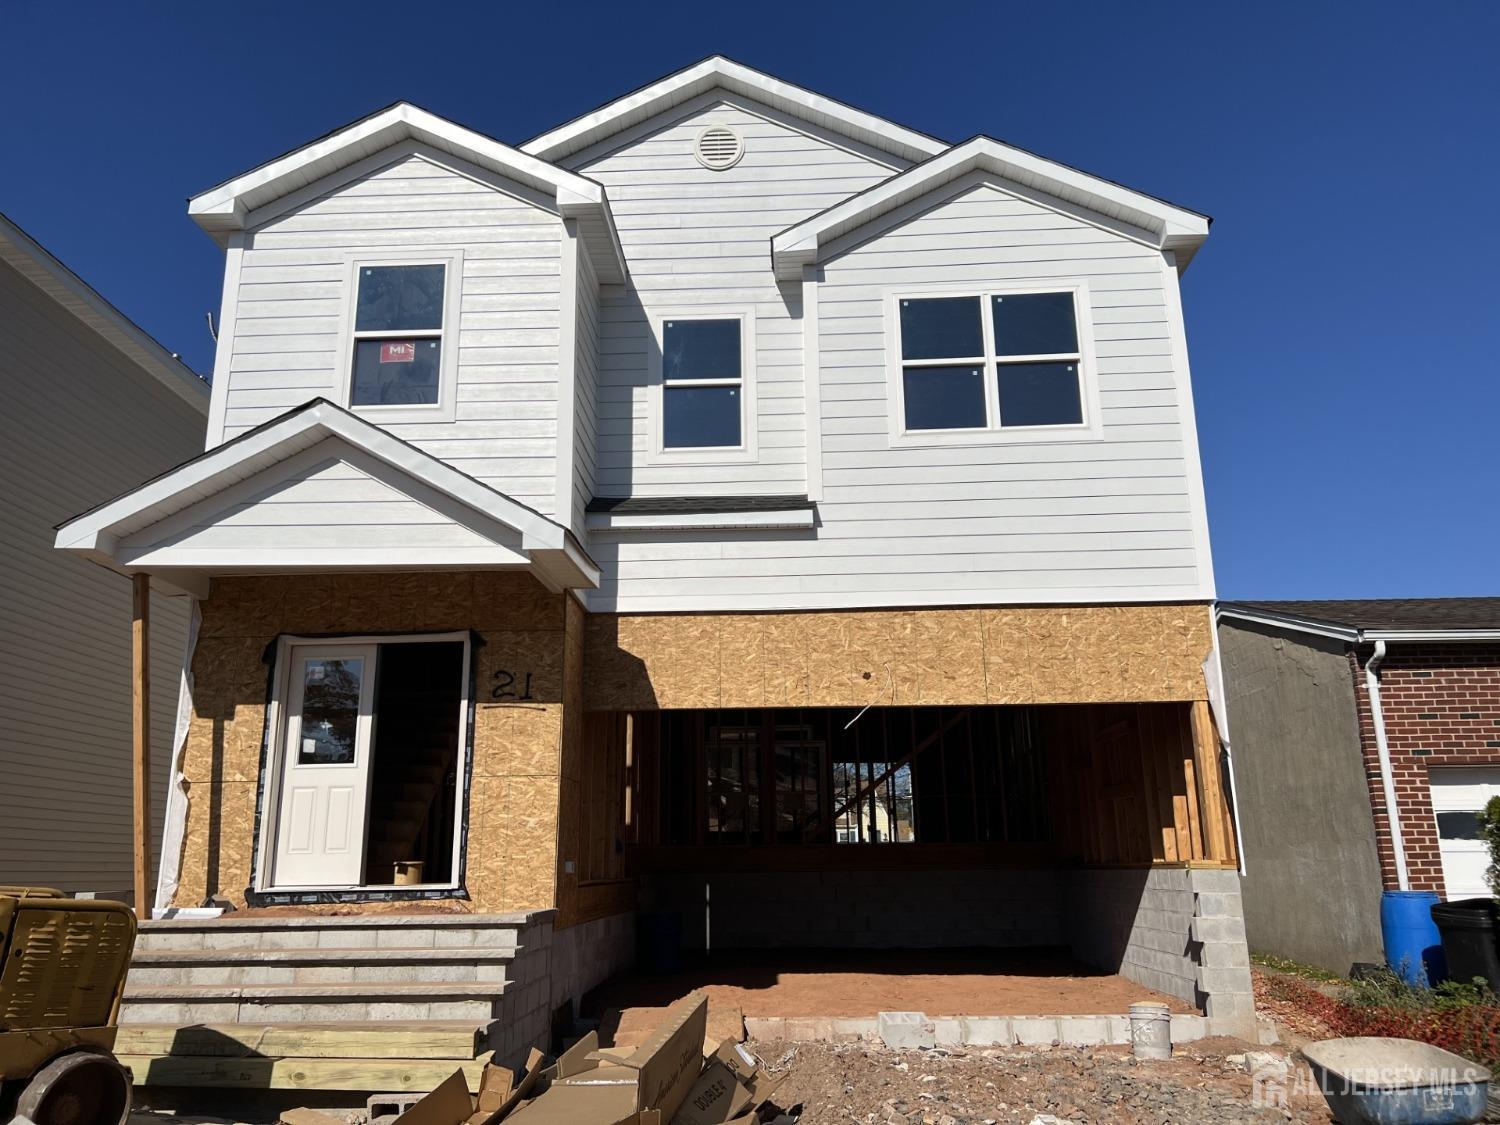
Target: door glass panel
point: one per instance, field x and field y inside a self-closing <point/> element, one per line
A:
<point x="330" y="711"/>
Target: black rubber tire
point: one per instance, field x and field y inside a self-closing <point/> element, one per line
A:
<point x="83" y="1088"/>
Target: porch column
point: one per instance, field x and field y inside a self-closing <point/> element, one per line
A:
<point x="140" y="724"/>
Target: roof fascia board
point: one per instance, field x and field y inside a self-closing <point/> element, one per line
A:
<point x="1170" y="227"/>
<point x="598" y="125"/>
<point x="674" y="114"/>
<point x="213" y="471"/>
<point x="1286" y="621"/>
<point x="38" y="265"/>
<point x="399" y="150"/>
<point x="1352" y="634"/>
<point x="229" y="206"/>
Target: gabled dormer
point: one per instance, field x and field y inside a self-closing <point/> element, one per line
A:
<point x="424" y="277"/>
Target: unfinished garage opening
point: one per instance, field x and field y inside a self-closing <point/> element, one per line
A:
<point x="1055" y="840"/>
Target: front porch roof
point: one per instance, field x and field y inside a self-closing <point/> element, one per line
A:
<point x="320" y="489"/>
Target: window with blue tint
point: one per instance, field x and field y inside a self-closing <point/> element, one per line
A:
<point x="941" y="328"/>
<point x="700" y="350"/>
<point x="396" y="372"/>
<point x="700" y="417"/>
<point x="1039" y="394"/>
<point x="1034" y="324"/>
<point x="943" y="398"/>
<point x="399" y="298"/>
<point x="702" y="383"/>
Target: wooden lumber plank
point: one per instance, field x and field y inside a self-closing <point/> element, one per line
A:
<point x="1218" y="830"/>
<point x="458" y="1043"/>
<point x="140" y="737"/>
<point x="1190" y="782"/>
<point x="385" y="1075"/>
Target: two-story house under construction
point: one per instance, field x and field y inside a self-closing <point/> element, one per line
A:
<point x="729" y="505"/>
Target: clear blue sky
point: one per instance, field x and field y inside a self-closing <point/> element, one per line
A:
<point x="1343" y="320"/>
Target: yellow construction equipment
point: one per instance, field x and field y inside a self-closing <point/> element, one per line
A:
<point x="62" y="972"/>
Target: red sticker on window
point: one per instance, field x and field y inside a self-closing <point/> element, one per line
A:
<point x="398" y="351"/>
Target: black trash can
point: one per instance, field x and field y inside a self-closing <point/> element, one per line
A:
<point x="1470" y="928"/>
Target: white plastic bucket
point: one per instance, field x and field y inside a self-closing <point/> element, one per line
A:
<point x="1150" y="1031"/>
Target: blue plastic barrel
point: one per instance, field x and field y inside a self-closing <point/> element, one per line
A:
<point x="1413" y="946"/>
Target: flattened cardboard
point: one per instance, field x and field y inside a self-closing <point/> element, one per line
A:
<point x="718" y="1096"/>
<point x="580" y="1105"/>
<point x="519" y="1092"/>
<point x="671" y="1060"/>
<point x="449" y="1104"/>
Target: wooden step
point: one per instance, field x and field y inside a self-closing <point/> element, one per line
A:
<point x="315" y="956"/>
<point x="456" y="1040"/>
<point x="296" y="993"/>
<point x="372" y="1075"/>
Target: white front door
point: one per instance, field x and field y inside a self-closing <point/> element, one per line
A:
<point x="320" y="837"/>
<point x="1457" y="797"/>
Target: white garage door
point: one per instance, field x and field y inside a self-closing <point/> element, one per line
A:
<point x="1457" y="797"/>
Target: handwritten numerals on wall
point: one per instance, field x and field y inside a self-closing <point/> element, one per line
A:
<point x="512" y="686"/>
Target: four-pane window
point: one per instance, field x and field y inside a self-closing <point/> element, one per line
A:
<point x="398" y="335"/>
<point x="990" y="361"/>
<point x="703" y="384"/>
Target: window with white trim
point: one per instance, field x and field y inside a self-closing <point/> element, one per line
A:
<point x="704" y="389"/>
<point x="397" y="354"/>
<point x="990" y="361"/>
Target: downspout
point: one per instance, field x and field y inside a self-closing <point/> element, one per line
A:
<point x="1383" y="751"/>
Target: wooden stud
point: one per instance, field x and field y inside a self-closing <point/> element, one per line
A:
<point x="1218" y="827"/>
<point x="396" y="1075"/>
<point x="140" y="729"/>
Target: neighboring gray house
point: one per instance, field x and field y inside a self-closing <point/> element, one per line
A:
<point x="92" y="404"/>
<point x="1337" y="710"/>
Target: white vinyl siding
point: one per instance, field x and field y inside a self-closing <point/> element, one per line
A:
<point x="586" y="391"/>
<point x="1105" y="519"/>
<point x="698" y="240"/>
<point x="293" y="278"/>
<point x="81" y="422"/>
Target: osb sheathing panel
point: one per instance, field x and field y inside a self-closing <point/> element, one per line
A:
<point x="518" y="745"/>
<point x="1073" y="654"/>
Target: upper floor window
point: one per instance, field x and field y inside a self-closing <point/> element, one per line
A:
<point x="400" y="363"/>
<point x="703" y="410"/>
<point x="398" y="335"/>
<point x="989" y="362"/>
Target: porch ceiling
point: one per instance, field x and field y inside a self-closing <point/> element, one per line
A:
<point x="320" y="489"/>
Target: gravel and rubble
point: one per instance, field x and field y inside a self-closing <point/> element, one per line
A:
<point x="1205" y="1083"/>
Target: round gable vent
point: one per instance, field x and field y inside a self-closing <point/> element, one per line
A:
<point x="718" y="147"/>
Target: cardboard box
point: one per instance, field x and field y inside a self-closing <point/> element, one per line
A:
<point x="718" y="1096"/>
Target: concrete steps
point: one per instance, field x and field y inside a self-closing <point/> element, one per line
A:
<point x="280" y="970"/>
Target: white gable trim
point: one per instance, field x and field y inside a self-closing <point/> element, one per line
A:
<point x="718" y="72"/>
<point x="232" y="205"/>
<point x="104" y="534"/>
<point x="1161" y="225"/>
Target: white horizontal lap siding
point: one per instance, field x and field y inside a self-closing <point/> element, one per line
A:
<point x="1109" y="519"/>
<point x="287" y="346"/>
<point x="696" y="240"/>
<point x="81" y="422"/>
<point x="585" y="389"/>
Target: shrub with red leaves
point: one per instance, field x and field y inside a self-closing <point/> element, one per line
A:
<point x="1472" y="1030"/>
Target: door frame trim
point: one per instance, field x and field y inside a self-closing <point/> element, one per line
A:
<point x="274" y="751"/>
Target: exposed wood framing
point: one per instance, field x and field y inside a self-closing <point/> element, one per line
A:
<point x="1138" y="785"/>
<point x="140" y="726"/>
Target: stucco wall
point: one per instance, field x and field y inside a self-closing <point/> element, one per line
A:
<point x="512" y="855"/>
<point x="945" y="657"/>
<point x="1312" y="885"/>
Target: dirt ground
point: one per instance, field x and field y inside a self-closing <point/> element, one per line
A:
<point x="942" y="983"/>
<point x="1204" y="1083"/>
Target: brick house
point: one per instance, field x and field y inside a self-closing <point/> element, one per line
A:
<point x="1334" y="705"/>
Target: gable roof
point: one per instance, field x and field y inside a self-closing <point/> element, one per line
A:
<point x="226" y="207"/>
<point x="1377" y="618"/>
<point x="102" y="532"/>
<point x="1145" y="217"/>
<point x="719" y="72"/>
<point x="35" y="263"/>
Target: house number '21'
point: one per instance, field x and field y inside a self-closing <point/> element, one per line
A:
<point x="505" y="686"/>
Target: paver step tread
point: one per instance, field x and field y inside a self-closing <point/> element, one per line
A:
<point x="315" y="955"/>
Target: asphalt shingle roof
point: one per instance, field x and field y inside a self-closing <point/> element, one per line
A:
<point x="1389" y="614"/>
